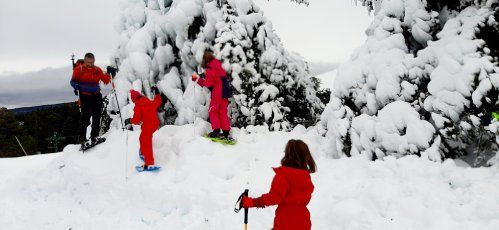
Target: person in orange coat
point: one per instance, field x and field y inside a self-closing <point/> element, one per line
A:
<point x="85" y="80"/>
<point x="145" y="114"/>
<point x="291" y="189"/>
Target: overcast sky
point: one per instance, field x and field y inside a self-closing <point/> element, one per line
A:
<point x="47" y="86"/>
<point x="36" y="34"/>
<point x="326" y="30"/>
<point x="39" y="36"/>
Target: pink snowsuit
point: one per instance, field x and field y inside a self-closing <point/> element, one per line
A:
<point x="218" y="105"/>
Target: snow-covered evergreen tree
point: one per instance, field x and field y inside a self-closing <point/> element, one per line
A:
<point x="162" y="43"/>
<point x="419" y="84"/>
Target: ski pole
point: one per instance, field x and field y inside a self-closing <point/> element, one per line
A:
<point x="21" y="146"/>
<point x="245" y="212"/>
<point x="194" y="104"/>
<point x="194" y="101"/>
<point x="78" y="102"/>
<point x="117" y="102"/>
<point x="126" y="155"/>
<point x="239" y="206"/>
<point x="121" y="118"/>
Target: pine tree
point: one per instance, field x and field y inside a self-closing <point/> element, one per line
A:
<point x="426" y="60"/>
<point x="9" y="128"/>
<point x="272" y="86"/>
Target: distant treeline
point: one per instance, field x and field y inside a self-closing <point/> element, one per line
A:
<point x="37" y="128"/>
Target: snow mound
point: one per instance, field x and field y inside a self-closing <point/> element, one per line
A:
<point x="200" y="180"/>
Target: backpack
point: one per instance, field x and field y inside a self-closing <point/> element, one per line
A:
<point x="226" y="87"/>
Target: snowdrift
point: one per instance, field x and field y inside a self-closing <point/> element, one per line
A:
<point x="201" y="180"/>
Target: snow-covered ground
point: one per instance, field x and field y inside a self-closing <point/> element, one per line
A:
<point x="201" y="180"/>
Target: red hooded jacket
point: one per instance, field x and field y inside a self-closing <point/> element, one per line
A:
<point x="145" y="111"/>
<point x="214" y="72"/>
<point x="291" y="190"/>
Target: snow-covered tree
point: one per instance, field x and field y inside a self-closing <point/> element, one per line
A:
<point x="162" y="43"/>
<point x="419" y="84"/>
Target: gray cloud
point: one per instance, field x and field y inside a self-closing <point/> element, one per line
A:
<point x="47" y="86"/>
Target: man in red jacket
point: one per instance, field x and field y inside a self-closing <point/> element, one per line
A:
<point x="85" y="81"/>
<point x="145" y="113"/>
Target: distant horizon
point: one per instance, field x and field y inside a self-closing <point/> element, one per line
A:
<point x="66" y="95"/>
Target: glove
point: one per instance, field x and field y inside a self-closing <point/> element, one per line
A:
<point x="155" y="90"/>
<point x="76" y="92"/>
<point x="247" y="202"/>
<point x="128" y="121"/>
<point x="111" y="71"/>
<point x="194" y="77"/>
<point x="485" y="120"/>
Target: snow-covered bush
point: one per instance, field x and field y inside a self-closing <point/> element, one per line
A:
<point x="434" y="65"/>
<point x="162" y="44"/>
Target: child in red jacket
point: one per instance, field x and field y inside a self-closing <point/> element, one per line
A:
<point x="145" y="114"/>
<point x="291" y="189"/>
<point x="219" y="84"/>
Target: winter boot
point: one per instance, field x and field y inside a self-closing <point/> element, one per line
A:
<point x="141" y="156"/>
<point x="226" y="135"/>
<point x="214" y="134"/>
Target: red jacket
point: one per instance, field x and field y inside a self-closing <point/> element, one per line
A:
<point x="86" y="79"/>
<point x="145" y="111"/>
<point x="214" y="72"/>
<point x="291" y="190"/>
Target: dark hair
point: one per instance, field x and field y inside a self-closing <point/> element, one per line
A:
<point x="297" y="155"/>
<point x="89" y="55"/>
<point x="208" y="56"/>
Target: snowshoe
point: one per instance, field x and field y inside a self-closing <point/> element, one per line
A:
<point x="229" y="140"/>
<point x="148" y="168"/>
<point x="221" y="140"/>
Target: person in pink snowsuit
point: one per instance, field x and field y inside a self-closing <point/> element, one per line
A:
<point x="219" y="84"/>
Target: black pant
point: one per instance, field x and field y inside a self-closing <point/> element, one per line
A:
<point x="91" y="106"/>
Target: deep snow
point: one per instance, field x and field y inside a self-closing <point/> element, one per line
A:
<point x="201" y="180"/>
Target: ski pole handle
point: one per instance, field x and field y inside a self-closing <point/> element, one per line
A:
<point x="246" y="192"/>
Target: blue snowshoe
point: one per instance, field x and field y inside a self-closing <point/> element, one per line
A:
<point x="148" y="168"/>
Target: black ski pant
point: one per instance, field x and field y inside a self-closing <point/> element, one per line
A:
<point x="91" y="106"/>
